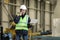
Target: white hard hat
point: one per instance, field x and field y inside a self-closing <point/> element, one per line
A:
<point x="23" y="7"/>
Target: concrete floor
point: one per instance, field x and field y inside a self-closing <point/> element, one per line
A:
<point x="45" y="38"/>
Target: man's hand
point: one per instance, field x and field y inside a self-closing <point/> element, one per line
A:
<point x="20" y="13"/>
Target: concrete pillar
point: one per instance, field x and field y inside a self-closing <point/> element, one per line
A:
<point x="38" y="17"/>
<point x="5" y="17"/>
<point x="17" y="8"/>
<point x="0" y="11"/>
<point x="47" y="16"/>
<point x="32" y="11"/>
<point x="42" y="16"/>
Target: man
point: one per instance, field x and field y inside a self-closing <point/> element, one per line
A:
<point x="22" y="22"/>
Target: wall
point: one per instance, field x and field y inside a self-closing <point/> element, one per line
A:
<point x="56" y="20"/>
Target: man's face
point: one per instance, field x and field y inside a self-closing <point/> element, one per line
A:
<point x="22" y="11"/>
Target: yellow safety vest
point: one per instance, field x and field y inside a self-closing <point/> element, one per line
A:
<point x="22" y="24"/>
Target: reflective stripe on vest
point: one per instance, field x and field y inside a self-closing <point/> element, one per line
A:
<point x="22" y="25"/>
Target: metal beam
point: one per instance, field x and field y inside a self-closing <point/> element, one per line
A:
<point x="28" y="7"/>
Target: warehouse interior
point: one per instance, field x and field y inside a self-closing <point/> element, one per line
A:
<point x="45" y="11"/>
